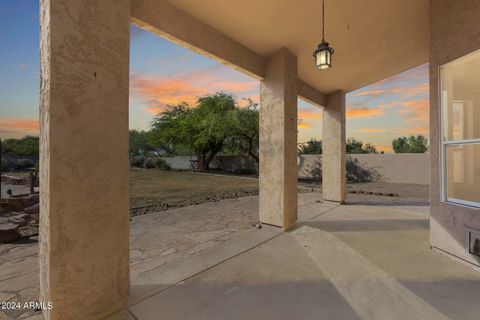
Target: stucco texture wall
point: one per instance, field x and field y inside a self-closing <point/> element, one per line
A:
<point x="454" y="32"/>
<point x="393" y="168"/>
<point x="84" y="206"/>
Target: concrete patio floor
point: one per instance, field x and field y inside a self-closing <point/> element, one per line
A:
<point x="345" y="262"/>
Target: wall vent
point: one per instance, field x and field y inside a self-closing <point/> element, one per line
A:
<point x="474" y="242"/>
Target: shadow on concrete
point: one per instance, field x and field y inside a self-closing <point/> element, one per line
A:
<point x="455" y="298"/>
<point x="388" y="202"/>
<point x="352" y="225"/>
<point x="201" y="300"/>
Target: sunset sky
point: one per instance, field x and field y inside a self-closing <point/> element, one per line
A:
<point x="163" y="73"/>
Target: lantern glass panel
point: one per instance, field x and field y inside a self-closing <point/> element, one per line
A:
<point x="323" y="59"/>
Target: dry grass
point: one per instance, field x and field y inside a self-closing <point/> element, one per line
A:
<point x="149" y="187"/>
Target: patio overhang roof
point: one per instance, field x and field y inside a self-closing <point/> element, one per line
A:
<point x="372" y="40"/>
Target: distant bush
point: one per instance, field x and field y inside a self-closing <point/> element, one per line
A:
<point x="149" y="163"/>
<point x="26" y="146"/>
<point x="314" y="146"/>
<point x="6" y="165"/>
<point x="24" y="164"/>
<point x="162" y="164"/>
<point x="9" y="164"/>
<point x="412" y="144"/>
<point x="137" y="161"/>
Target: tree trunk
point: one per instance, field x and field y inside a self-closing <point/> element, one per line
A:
<point x="253" y="156"/>
<point x="251" y="153"/>
<point x="202" y="162"/>
<point x="210" y="159"/>
<point x="32" y="182"/>
<point x="212" y="155"/>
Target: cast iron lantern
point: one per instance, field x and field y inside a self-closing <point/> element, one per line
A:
<point x="323" y="53"/>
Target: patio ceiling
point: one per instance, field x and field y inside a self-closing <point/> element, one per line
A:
<point x="372" y="39"/>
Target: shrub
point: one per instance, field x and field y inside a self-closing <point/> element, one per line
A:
<point x="162" y="164"/>
<point x="6" y="165"/>
<point x="149" y="163"/>
<point x="137" y="161"/>
<point x="27" y="146"/>
<point x="412" y="144"/>
<point x="24" y="164"/>
<point x="313" y="146"/>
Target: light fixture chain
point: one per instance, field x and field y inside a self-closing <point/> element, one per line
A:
<point x="323" y="20"/>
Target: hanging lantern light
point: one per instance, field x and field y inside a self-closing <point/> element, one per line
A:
<point x="323" y="53"/>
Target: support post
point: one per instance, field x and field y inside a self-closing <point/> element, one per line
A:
<point x="84" y="206"/>
<point x="278" y="141"/>
<point x="334" y="183"/>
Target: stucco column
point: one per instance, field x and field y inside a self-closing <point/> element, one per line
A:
<point x="84" y="207"/>
<point x="278" y="141"/>
<point x="333" y="157"/>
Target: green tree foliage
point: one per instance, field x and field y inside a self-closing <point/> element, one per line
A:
<point x="412" y="144"/>
<point x="203" y="129"/>
<point x="26" y="146"/>
<point x="356" y="146"/>
<point x="314" y="146"/>
<point x="244" y="130"/>
<point x="370" y="148"/>
<point x="139" y="143"/>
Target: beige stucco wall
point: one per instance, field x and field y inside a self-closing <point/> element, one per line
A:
<point x="334" y="186"/>
<point x="84" y="210"/>
<point x="278" y="141"/>
<point x="394" y="168"/>
<point x="454" y="32"/>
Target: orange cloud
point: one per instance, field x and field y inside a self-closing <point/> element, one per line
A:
<point x="304" y="125"/>
<point x="308" y="115"/>
<point x="407" y="91"/>
<point x="364" y="112"/>
<point x="372" y="130"/>
<point x="305" y="114"/>
<point x="415" y="109"/>
<point x="410" y="130"/>
<point x="418" y="130"/>
<point x="416" y="90"/>
<point x="160" y="92"/>
<point x="376" y="92"/>
<point x="22" y="123"/>
<point x="18" y="127"/>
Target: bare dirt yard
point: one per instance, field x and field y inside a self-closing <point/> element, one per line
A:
<point x="156" y="190"/>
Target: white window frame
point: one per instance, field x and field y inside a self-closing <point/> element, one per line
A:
<point x="444" y="144"/>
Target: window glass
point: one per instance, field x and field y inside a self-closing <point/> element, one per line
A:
<point x="460" y="95"/>
<point x="463" y="172"/>
<point x="461" y="99"/>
